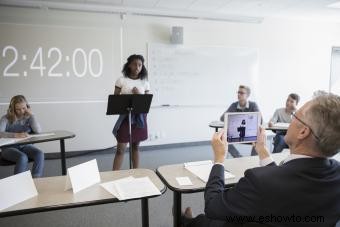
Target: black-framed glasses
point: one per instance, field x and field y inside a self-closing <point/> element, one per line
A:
<point x="305" y="124"/>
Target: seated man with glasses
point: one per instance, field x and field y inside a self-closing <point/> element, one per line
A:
<point x="283" y="115"/>
<point x="303" y="191"/>
<point x="242" y="105"/>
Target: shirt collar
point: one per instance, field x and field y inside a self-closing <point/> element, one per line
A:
<point x="295" y="156"/>
<point x="241" y="108"/>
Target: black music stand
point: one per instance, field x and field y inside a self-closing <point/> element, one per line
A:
<point x="129" y="104"/>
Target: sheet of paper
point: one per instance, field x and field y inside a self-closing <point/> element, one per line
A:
<point x="136" y="188"/>
<point x="16" y="189"/>
<point x="202" y="170"/>
<point x="111" y="186"/>
<point x="184" y="181"/>
<point x="82" y="176"/>
<point x="41" y="135"/>
<point x="281" y="125"/>
<point x="6" y="141"/>
<point x="198" y="163"/>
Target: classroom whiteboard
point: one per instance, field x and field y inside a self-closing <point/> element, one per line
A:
<point x="335" y="71"/>
<point x="199" y="75"/>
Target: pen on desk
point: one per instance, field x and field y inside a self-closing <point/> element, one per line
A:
<point x="166" y="105"/>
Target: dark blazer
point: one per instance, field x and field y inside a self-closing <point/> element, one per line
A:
<point x="302" y="187"/>
<point x="253" y="107"/>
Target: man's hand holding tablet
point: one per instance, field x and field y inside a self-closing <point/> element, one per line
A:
<point x="242" y="127"/>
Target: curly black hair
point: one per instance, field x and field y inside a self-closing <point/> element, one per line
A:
<point x="126" y="70"/>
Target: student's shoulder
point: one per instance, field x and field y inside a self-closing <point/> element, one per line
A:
<point x="282" y="109"/>
<point x="121" y="78"/>
<point x="234" y="103"/>
<point x="263" y="172"/>
<point x="120" y="81"/>
<point x="4" y="118"/>
<point x="252" y="104"/>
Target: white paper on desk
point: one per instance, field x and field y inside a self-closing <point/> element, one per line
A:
<point x="41" y="135"/>
<point x="184" y="181"/>
<point x="202" y="170"/>
<point x="16" y="189"/>
<point x="281" y="125"/>
<point x="82" y="176"/>
<point x="137" y="188"/>
<point x="6" y="141"/>
<point x="111" y="186"/>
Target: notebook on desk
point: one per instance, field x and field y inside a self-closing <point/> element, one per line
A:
<point x="6" y="141"/>
<point x="202" y="170"/>
<point x="281" y="125"/>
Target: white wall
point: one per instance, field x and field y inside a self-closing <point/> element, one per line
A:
<point x="294" y="56"/>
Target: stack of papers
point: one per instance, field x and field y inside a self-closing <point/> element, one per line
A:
<point x="6" y="141"/>
<point x="202" y="170"/>
<point x="131" y="188"/>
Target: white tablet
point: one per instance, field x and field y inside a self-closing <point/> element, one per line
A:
<point x="242" y="127"/>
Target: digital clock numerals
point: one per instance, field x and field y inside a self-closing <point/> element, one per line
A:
<point x="82" y="63"/>
<point x="10" y="65"/>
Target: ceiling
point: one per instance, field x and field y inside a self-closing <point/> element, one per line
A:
<point x="252" y="10"/>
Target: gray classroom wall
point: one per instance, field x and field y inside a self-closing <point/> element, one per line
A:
<point x="294" y="56"/>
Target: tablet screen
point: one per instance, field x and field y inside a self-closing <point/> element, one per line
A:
<point x="242" y="127"/>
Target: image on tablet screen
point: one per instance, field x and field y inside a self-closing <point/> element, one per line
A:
<point x="241" y="127"/>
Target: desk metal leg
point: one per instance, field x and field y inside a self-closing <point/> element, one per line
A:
<point x="62" y="157"/>
<point x="216" y="129"/>
<point x="177" y="210"/>
<point x="145" y="212"/>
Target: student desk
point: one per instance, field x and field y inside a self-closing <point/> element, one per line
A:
<point x="51" y="194"/>
<point x="216" y="125"/>
<point x="58" y="135"/>
<point x="236" y="166"/>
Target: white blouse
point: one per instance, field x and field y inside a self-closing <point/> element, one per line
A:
<point x="126" y="85"/>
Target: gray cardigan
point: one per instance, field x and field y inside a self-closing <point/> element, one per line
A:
<point x="26" y="124"/>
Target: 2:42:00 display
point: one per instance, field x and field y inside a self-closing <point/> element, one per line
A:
<point x="82" y="62"/>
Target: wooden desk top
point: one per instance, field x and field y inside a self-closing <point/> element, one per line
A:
<point x="51" y="194"/>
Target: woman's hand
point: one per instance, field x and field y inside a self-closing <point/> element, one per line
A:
<point x="135" y="91"/>
<point x="28" y="111"/>
<point x="20" y="135"/>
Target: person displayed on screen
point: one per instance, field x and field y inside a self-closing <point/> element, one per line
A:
<point x="242" y="130"/>
<point x="305" y="184"/>
<point x="19" y="122"/>
<point x="283" y="115"/>
<point x="242" y="105"/>
<point x="133" y="81"/>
